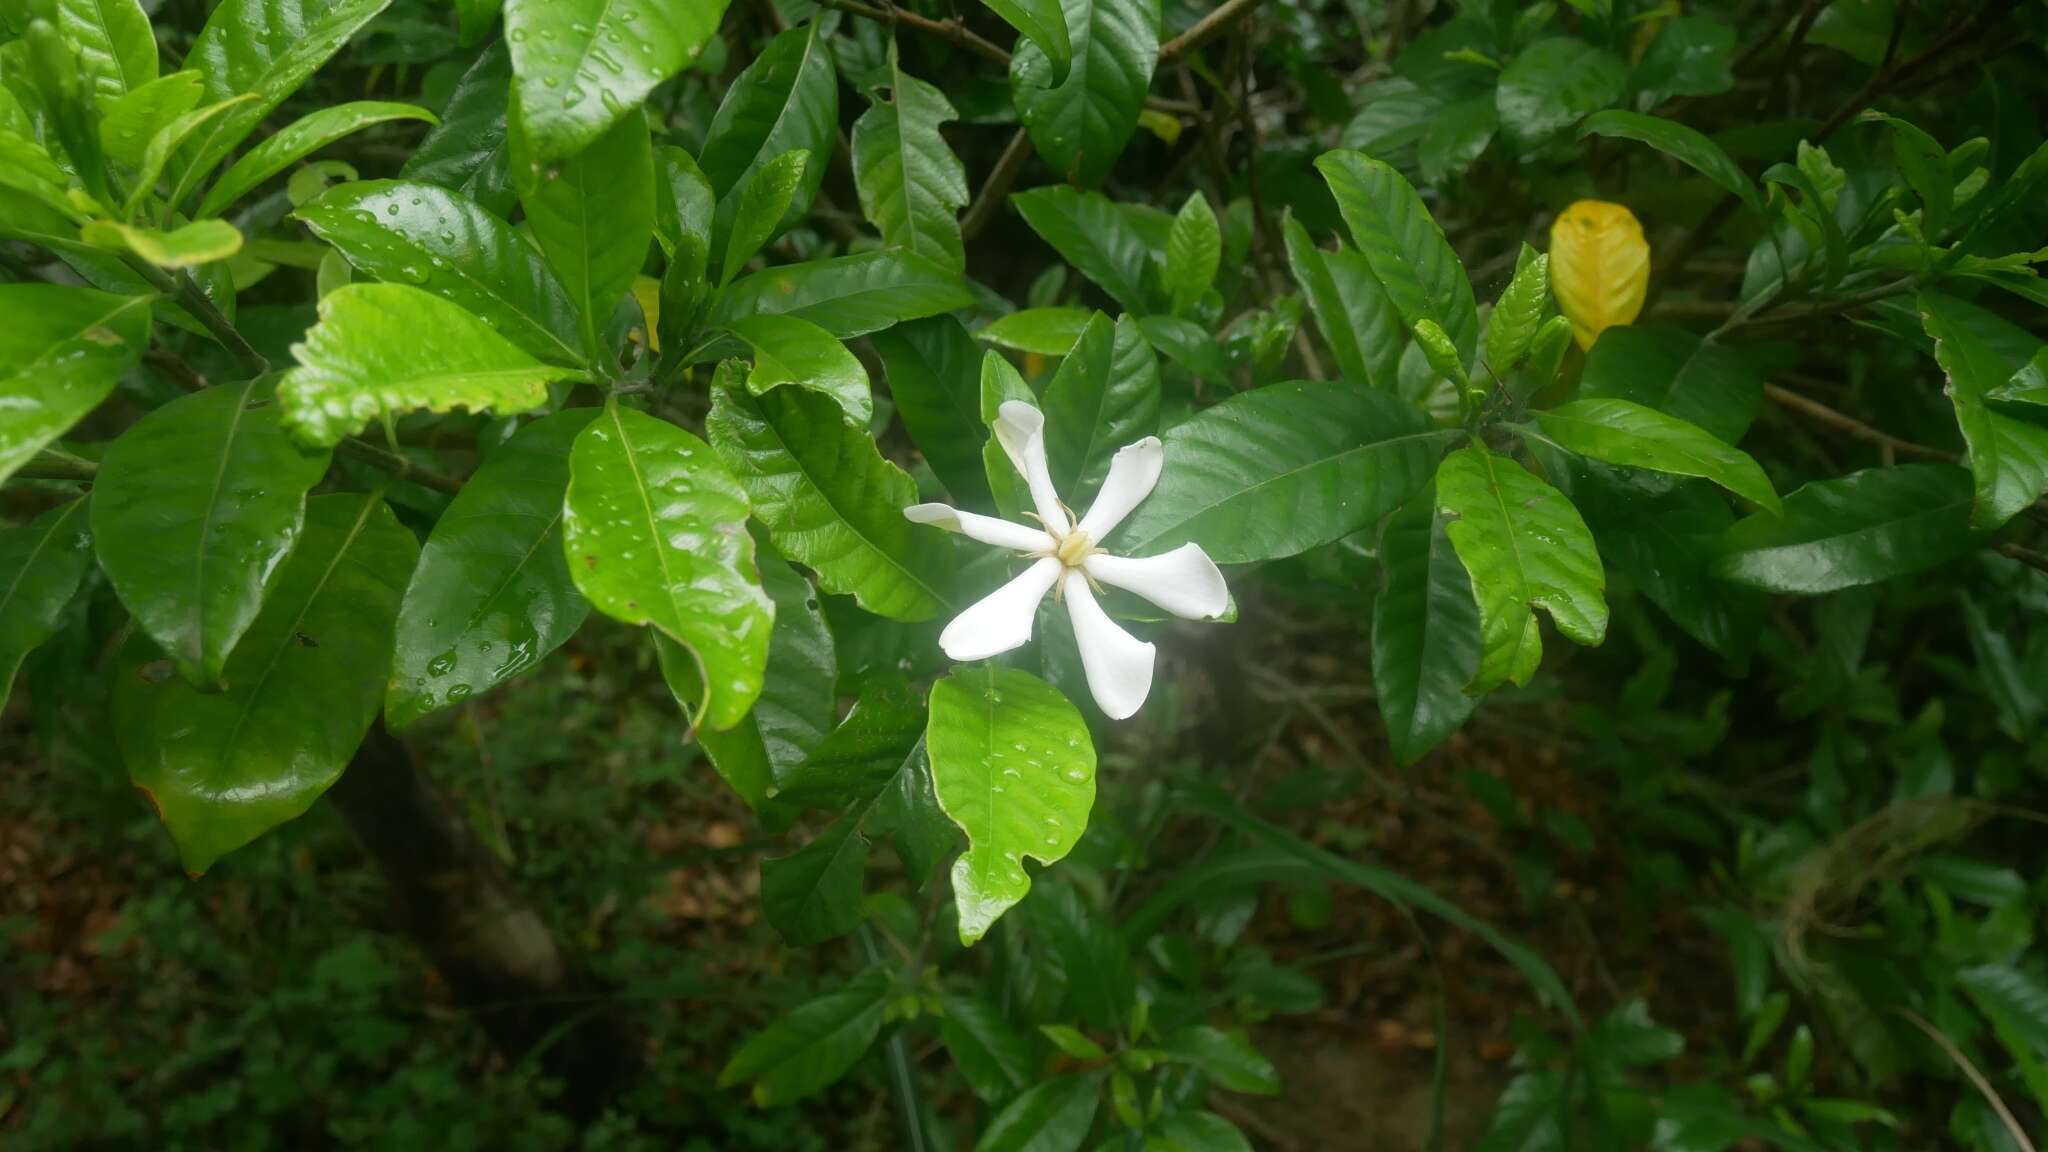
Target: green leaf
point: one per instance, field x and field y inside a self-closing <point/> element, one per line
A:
<point x="762" y="204"/>
<point x="1000" y="383"/>
<point x="1104" y="396"/>
<point x="786" y="100"/>
<point x="857" y="759"/>
<point x="1044" y="24"/>
<point x="1525" y="547"/>
<point x="1440" y="354"/>
<point x="1051" y="1116"/>
<point x="1861" y="528"/>
<point x="114" y="41"/>
<point x="908" y="813"/>
<point x="1632" y="436"/>
<point x="1357" y="320"/>
<point x="61" y="80"/>
<point x="492" y="595"/>
<point x="1194" y="250"/>
<point x="593" y="216"/>
<point x="223" y="767"/>
<point x="580" y="66"/>
<point x="2016" y="1003"/>
<point x="1924" y="164"/>
<point x="1196" y="1132"/>
<point x="813" y="1046"/>
<point x="1096" y="236"/>
<point x="468" y="152"/>
<point x="1554" y="83"/>
<point x="62" y="350"/>
<point x="36" y="183"/>
<point x="655" y="532"/>
<point x="365" y="359"/>
<point x="1282" y="469"/>
<point x="797" y="700"/>
<point x="1101" y="987"/>
<point x="911" y="185"/>
<point x="1403" y="245"/>
<point x="165" y="144"/>
<point x="1044" y="331"/>
<point x="2008" y="456"/>
<point x="934" y="373"/>
<point x="1425" y="631"/>
<point x="1456" y="137"/>
<point x="296" y="141"/>
<point x="788" y="350"/>
<point x="195" y="509"/>
<point x="813" y="894"/>
<point x="200" y="242"/>
<point x="683" y="203"/>
<point x="847" y="295"/>
<point x="1228" y="1059"/>
<point x="829" y="500"/>
<point x="127" y="125"/>
<point x="1682" y="143"/>
<point x="993" y="1057"/>
<point x="1678" y="374"/>
<point x="442" y="241"/>
<point x="264" y="49"/>
<point x="1689" y="56"/>
<point x="1014" y="767"/>
<point x="1073" y="1042"/>
<point x="2029" y="385"/>
<point x="1081" y="121"/>
<point x="1666" y="545"/>
<point x="1512" y="327"/>
<point x="41" y="564"/>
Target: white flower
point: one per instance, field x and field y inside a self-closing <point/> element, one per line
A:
<point x="1184" y="581"/>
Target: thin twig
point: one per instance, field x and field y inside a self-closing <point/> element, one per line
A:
<point x="1851" y="427"/>
<point x="2027" y="556"/>
<point x="399" y="466"/>
<point x="997" y="186"/>
<point x="1205" y="28"/>
<point x="181" y="288"/>
<point x="1976" y="1078"/>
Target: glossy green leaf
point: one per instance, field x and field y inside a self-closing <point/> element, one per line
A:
<point x="1632" y="436"/>
<point x="1081" y="121"/>
<point x="993" y="1057"/>
<point x="1196" y="1131"/>
<point x="264" y="49"/>
<point x="1092" y="233"/>
<point x="365" y="360"/>
<point x="62" y="350"/>
<point x="1440" y="353"/>
<point x="296" y="141"/>
<point x="1104" y="396"/>
<point x="468" y="151"/>
<point x="762" y="204"/>
<point x="1425" y="631"/>
<point x="1045" y="331"/>
<point x="814" y="1045"/>
<point x="1282" y="469"/>
<point x="1015" y="768"/>
<point x="1456" y="137"/>
<point x="41" y="563"/>
<point x="28" y="173"/>
<point x="445" y="243"/>
<point x="2029" y="385"/>
<point x="1678" y="374"/>
<point x="1228" y="1059"/>
<point x="828" y="498"/>
<point x="1666" y="544"/>
<point x="1525" y="547"/>
<point x="790" y="350"/>
<point x="593" y="216"/>
<point x="1357" y="320"/>
<point x="128" y="124"/>
<point x="1553" y="84"/>
<point x="114" y="41"/>
<point x="860" y="756"/>
<point x="1862" y="528"/>
<point x="655" y="532"/>
<point x="224" y="767"/>
<point x="195" y="509"/>
<point x="1051" y="1116"/>
<point x="934" y="373"/>
<point x="847" y="295"/>
<point x="200" y="242"/>
<point x="1684" y="144"/>
<point x="163" y="146"/>
<point x="1403" y="245"/>
<point x="683" y="204"/>
<point x="1042" y="23"/>
<point x="908" y="813"/>
<point x="1194" y="250"/>
<point x="813" y="894"/>
<point x="1512" y="327"/>
<point x="911" y="185"/>
<point x="787" y="100"/>
<point x="57" y="71"/>
<point x="580" y="66"/>
<point x="2008" y="455"/>
<point x="492" y="595"/>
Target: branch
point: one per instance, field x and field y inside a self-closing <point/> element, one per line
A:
<point x="399" y="466"/>
<point x="1851" y="427"/>
<point x="1205" y="29"/>
<point x="997" y="186"/>
<point x="181" y="288"/>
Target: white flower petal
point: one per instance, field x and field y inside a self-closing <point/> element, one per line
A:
<point x="1118" y="664"/>
<point x="986" y="529"/>
<point x="1184" y="581"/>
<point x="1002" y="619"/>
<point x="1132" y="473"/>
<point x="1020" y="429"/>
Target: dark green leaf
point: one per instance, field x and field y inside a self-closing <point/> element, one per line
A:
<point x="41" y="564"/>
<point x="762" y="204"/>
<point x="62" y="350"/>
<point x="1684" y="144"/>
<point x="1665" y="544"/>
<point x="1861" y="528"/>
<point x="1044" y="24"/>
<point x="1678" y="374"/>
<point x="994" y="1057"/>
<point x="1093" y="234"/>
<point x="793" y="351"/>
<point x="1357" y="320"/>
<point x="2008" y="456"/>
<point x="1104" y="396"/>
<point x="593" y="216"/>
<point x="911" y="185"/>
<point x="847" y="295"/>
<point x="1197" y="1132"/>
<point x="814" y="1045"/>
<point x="934" y="373"/>
<point x="296" y="141"/>
<point x="1194" y="250"/>
<point x="467" y="152"/>
<point x="582" y="65"/>
<point x="786" y="100"/>
<point x="1228" y="1059"/>
<point x="1632" y="436"/>
<point x="1051" y="1116"/>
<point x="813" y="894"/>
<point x="1403" y="245"/>
<point x="1425" y="631"/>
<point x="1081" y="121"/>
<point x="1553" y="83"/>
<point x="1688" y="57"/>
<point x="863" y="754"/>
<point x="1457" y="136"/>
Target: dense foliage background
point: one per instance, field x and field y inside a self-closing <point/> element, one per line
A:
<point x="351" y="352"/>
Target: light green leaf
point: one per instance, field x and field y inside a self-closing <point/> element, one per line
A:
<point x="1194" y="250"/>
<point x="1632" y="436"/>
<point x="224" y="767"/>
<point x="580" y="66"/>
<point x="790" y="350"/>
<point x="1357" y="320"/>
<point x="114" y="41"/>
<point x="41" y="563"/>
<point x="1425" y="631"/>
<point x="1081" y="122"/>
<point x="1525" y="547"/>
<point x="1512" y="327"/>
<point x="32" y="179"/>
<point x="593" y="216"/>
<point x="165" y="144"/>
<point x="468" y="152"/>
<point x="813" y="1046"/>
<point x="62" y="350"/>
<point x="1282" y="469"/>
<point x="1044" y="24"/>
<point x="1678" y="374"/>
<point x="910" y="183"/>
<point x="1680" y="142"/>
<point x="762" y="205"/>
<point x="128" y="124"/>
<point x="1094" y="234"/>
<point x="2008" y="456"/>
<point x="1862" y="528"/>
<point x="1440" y="354"/>
<point x="1104" y="396"/>
<point x="1044" y="331"/>
<point x="786" y="100"/>
<point x="934" y="373"/>
<point x="296" y="141"/>
<point x="683" y="204"/>
<point x="1554" y="83"/>
<point x="655" y="532"/>
<point x="1403" y="245"/>
<point x="200" y="242"/>
<point x="2029" y="385"/>
<point x="447" y="244"/>
<point x="1051" y="1116"/>
<point x="492" y="595"/>
<point x="365" y="360"/>
<point x="828" y="498"/>
<point x="195" y="509"/>
<point x="847" y="295"/>
<point x="1015" y="769"/>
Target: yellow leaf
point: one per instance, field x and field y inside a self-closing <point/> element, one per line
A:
<point x="1599" y="267"/>
<point x="647" y="291"/>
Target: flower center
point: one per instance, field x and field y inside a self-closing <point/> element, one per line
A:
<point x="1074" y="547"/>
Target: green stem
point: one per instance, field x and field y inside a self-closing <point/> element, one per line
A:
<point x="181" y="288"/>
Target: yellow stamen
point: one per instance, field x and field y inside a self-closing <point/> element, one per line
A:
<point x="1073" y="549"/>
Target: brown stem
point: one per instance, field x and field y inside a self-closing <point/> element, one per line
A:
<point x="1851" y="427"/>
<point x="400" y="466"/>
<point x="181" y="288"/>
<point x="997" y="186"/>
<point x="1205" y="28"/>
